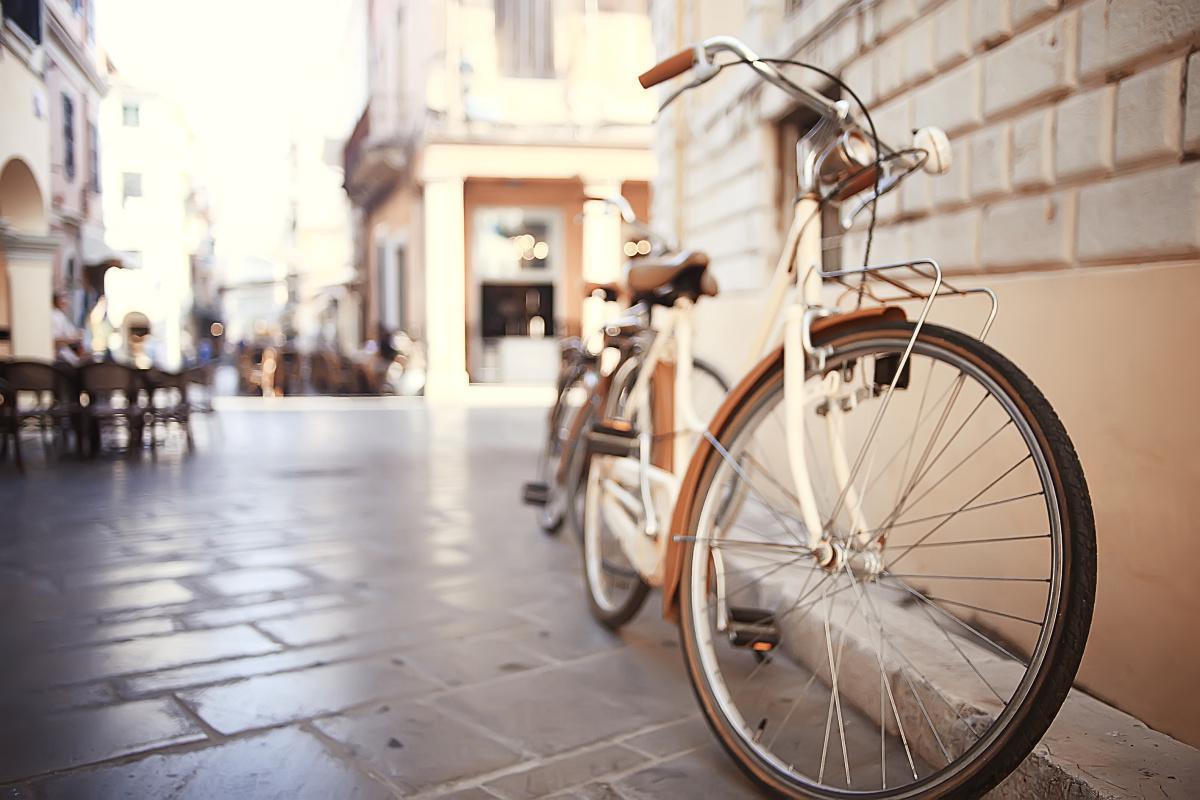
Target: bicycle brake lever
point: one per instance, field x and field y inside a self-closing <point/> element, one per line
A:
<point x="703" y="71"/>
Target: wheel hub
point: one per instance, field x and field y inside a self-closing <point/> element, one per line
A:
<point x="865" y="564"/>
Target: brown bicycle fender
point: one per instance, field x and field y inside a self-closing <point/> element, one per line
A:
<point x="681" y="518"/>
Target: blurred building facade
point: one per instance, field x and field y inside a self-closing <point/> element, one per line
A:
<point x="1075" y="194"/>
<point x="51" y="218"/>
<point x="487" y="123"/>
<point x="327" y="311"/>
<point x="156" y="216"/>
<point x="75" y="86"/>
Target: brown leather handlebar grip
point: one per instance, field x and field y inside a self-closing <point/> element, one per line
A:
<point x="668" y="68"/>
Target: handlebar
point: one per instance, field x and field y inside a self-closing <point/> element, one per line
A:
<point x="700" y="58"/>
<point x="699" y="61"/>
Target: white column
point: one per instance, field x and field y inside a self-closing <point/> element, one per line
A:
<point x="29" y="262"/>
<point x="445" y="289"/>
<point x="602" y="256"/>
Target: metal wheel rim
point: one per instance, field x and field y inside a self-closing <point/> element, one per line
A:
<point x="704" y="638"/>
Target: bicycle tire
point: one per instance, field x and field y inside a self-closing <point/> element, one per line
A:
<point x="553" y="513"/>
<point x="615" y="618"/>
<point x="1048" y="688"/>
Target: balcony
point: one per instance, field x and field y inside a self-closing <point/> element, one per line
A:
<point x="371" y="163"/>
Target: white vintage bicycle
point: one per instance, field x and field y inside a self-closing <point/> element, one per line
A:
<point x="880" y="550"/>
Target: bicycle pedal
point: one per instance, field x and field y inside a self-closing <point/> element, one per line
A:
<point x="535" y="493"/>
<point x="613" y="437"/>
<point x="753" y="628"/>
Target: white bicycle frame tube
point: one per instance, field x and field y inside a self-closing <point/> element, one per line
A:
<point x="807" y="268"/>
<point x="800" y="261"/>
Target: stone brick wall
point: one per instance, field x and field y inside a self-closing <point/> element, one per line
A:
<point x="1074" y="124"/>
<point x="1075" y="192"/>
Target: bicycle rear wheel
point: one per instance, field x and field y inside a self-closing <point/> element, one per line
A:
<point x="567" y="407"/>
<point x="615" y="588"/>
<point x="926" y="652"/>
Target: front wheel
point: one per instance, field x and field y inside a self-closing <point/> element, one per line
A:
<point x="926" y="645"/>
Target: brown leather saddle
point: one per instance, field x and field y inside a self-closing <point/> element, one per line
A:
<point x="662" y="279"/>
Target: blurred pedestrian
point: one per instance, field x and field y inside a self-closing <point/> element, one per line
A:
<point x="68" y="338"/>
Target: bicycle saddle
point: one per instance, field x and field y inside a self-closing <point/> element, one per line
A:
<point x="662" y="279"/>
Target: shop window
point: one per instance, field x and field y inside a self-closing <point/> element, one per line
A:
<point x="131" y="185"/>
<point x="68" y="134"/>
<point x="27" y="16"/>
<point x="93" y="158"/>
<point x="516" y="309"/>
<point x="516" y="256"/>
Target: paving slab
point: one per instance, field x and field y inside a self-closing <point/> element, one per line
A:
<point x="287" y="764"/>
<point x="144" y="654"/>
<point x="571" y="770"/>
<point x="705" y="774"/>
<point x="416" y="747"/>
<point x="549" y="711"/>
<point x="134" y="573"/>
<point x="32" y="745"/>
<point x="256" y="612"/>
<point x="274" y="699"/>
<point x="245" y="581"/>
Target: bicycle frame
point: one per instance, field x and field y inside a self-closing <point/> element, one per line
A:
<point x="799" y="267"/>
<point x="799" y="274"/>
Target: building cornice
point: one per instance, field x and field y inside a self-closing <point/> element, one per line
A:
<point x="73" y="50"/>
<point x="20" y="45"/>
<point x="27" y="244"/>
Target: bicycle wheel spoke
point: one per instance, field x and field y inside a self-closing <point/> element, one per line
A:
<point x="724" y="543"/>
<point x="888" y="686"/>
<point x="932" y="517"/>
<point x="786" y="492"/>
<point x="871" y="432"/>
<point x="896" y="512"/>
<point x="965" y="657"/>
<point x="737" y="468"/>
<point x="968" y="578"/>
<point x="957" y="383"/>
<point x="983" y="610"/>
<point x="772" y="571"/>
<point x="960" y="509"/>
<point x="920" y="473"/>
<point x="835" y="694"/>
<point x="912" y="437"/>
<point x="902" y="586"/>
<point x="909" y="440"/>
<point x="916" y="695"/>
<point x="989" y="540"/>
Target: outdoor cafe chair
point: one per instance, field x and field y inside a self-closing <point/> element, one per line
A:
<point x="198" y="388"/>
<point x="8" y="422"/>
<point x="166" y="393"/>
<point x="113" y="394"/>
<point x="41" y="396"/>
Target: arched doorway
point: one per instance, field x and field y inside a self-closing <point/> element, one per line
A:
<point x="21" y="203"/>
<point x="26" y="270"/>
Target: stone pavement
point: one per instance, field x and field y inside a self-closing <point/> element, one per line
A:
<point x="325" y="603"/>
